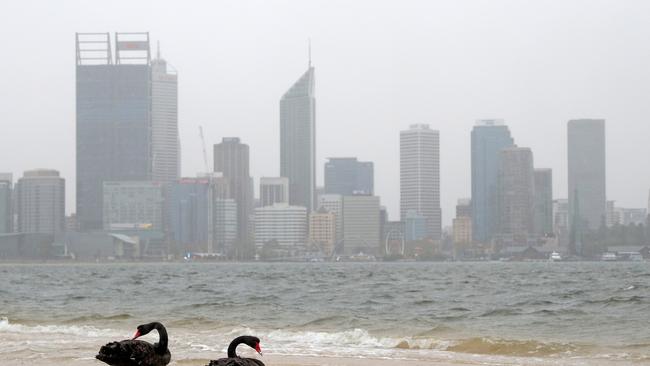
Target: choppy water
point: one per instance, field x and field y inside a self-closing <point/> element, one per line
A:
<point x="494" y="313"/>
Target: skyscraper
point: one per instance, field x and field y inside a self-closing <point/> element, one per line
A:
<point x="420" y="176"/>
<point x="114" y="112"/>
<point x="489" y="137"/>
<point x="298" y="140"/>
<point x="165" y="144"/>
<point x="586" y="164"/>
<point x="543" y="201"/>
<point x="231" y="158"/>
<point x="516" y="195"/>
<point x="6" y="203"/>
<point x="274" y="190"/>
<point x="348" y="176"/>
<point x="41" y="202"/>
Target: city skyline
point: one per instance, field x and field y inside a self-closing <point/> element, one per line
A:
<point x="532" y="106"/>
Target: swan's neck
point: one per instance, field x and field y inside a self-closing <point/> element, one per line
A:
<point x="161" y="347"/>
<point x="233" y="346"/>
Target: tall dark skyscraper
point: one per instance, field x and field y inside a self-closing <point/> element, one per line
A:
<point x="489" y="137"/>
<point x="114" y="107"/>
<point x="348" y="176"/>
<point x="231" y="158"/>
<point x="586" y="158"/>
<point x="298" y="140"/>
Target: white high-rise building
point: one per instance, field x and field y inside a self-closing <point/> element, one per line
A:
<point x="287" y="225"/>
<point x="298" y="140"/>
<point x="274" y="190"/>
<point x="165" y="144"/>
<point x="420" y="176"/>
<point x="41" y="202"/>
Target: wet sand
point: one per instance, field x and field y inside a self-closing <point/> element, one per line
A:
<point x="268" y="360"/>
<point x="338" y="361"/>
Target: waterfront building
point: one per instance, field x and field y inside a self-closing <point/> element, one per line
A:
<point x="133" y="205"/>
<point x="489" y="137"/>
<point x="561" y="215"/>
<point x="334" y="204"/>
<point x="231" y="158"/>
<point x="543" y="202"/>
<point x="298" y="140"/>
<point x="189" y="215"/>
<point x="113" y="117"/>
<point x="631" y="216"/>
<point x="415" y="226"/>
<point x="393" y="237"/>
<point x="464" y="207"/>
<point x="348" y="176"/>
<point x="586" y="172"/>
<point x="462" y="229"/>
<point x="611" y="215"/>
<point x="283" y="226"/>
<point x="71" y="223"/>
<point x="361" y="224"/>
<point x="462" y="236"/>
<point x="274" y="190"/>
<point x="165" y="143"/>
<point x="40" y="202"/>
<point x="224" y="226"/>
<point x="6" y="203"/>
<point x="322" y="230"/>
<point x="420" y="176"/>
<point x="516" y="198"/>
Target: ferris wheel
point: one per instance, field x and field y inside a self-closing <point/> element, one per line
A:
<point x="395" y="238"/>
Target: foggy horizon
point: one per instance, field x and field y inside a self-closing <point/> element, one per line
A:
<point x="534" y="65"/>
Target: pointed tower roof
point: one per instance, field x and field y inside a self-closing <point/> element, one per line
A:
<point x="304" y="87"/>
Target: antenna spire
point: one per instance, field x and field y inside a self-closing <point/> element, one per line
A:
<point x="309" y="50"/>
<point x="158" y="50"/>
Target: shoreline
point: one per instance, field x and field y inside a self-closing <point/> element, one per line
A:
<point x="287" y="360"/>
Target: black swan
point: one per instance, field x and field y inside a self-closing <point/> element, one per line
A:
<point x="234" y="360"/>
<point x="132" y="352"/>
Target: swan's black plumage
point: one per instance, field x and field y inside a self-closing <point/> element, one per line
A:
<point x="132" y="352"/>
<point x="233" y="359"/>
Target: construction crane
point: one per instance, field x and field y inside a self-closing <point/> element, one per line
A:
<point x="205" y="154"/>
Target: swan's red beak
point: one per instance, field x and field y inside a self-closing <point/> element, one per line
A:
<point x="136" y="335"/>
<point x="258" y="349"/>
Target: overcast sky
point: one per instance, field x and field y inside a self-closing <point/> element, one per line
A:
<point x="380" y="66"/>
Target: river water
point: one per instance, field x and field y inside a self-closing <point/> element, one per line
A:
<point x="483" y="313"/>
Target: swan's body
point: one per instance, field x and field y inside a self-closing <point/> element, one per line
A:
<point x="234" y="360"/>
<point x="132" y="352"/>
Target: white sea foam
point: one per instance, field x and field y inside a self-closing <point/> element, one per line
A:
<point x="78" y="330"/>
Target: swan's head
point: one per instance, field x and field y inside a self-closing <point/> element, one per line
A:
<point x="254" y="343"/>
<point x="144" y="329"/>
